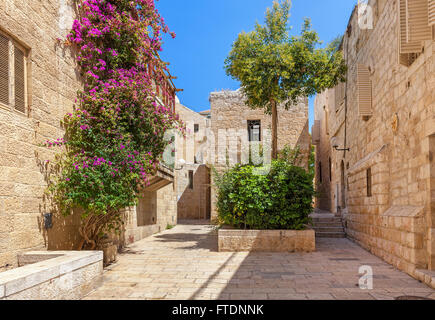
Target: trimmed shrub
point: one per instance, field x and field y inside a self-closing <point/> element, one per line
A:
<point x="282" y="199"/>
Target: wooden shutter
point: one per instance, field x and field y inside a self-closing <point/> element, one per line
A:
<point x="4" y="70"/>
<point x="315" y="131"/>
<point x="364" y="91"/>
<point x="20" y="101"/>
<point x="418" y="15"/>
<point x="431" y="12"/>
<point x="339" y="95"/>
<point x="406" y="45"/>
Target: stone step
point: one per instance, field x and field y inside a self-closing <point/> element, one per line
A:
<point x="327" y="224"/>
<point x="330" y="235"/>
<point x="324" y="220"/>
<point x="329" y="229"/>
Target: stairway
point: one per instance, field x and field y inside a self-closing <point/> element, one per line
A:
<point x="328" y="226"/>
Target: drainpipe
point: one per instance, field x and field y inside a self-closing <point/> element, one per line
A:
<point x="346" y="98"/>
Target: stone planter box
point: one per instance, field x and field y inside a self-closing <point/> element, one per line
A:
<point x="53" y="275"/>
<point x="230" y="240"/>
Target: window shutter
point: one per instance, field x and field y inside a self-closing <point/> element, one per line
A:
<point x="431" y="12"/>
<point x="20" y="101"/>
<point x="4" y="70"/>
<point x="339" y="95"/>
<point x="316" y="132"/>
<point x="405" y="45"/>
<point x="418" y="28"/>
<point x="364" y="91"/>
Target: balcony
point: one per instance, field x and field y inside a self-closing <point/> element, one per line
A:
<point x="165" y="90"/>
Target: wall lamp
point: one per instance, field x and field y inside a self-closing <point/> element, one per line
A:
<point x="181" y="163"/>
<point x="335" y="145"/>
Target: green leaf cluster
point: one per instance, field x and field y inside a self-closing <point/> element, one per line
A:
<point x="282" y="199"/>
<point x="273" y="66"/>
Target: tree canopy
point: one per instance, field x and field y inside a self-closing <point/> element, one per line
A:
<point x="275" y="67"/>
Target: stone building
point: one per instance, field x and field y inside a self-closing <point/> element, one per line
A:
<point x="235" y="126"/>
<point x="38" y="86"/>
<point x="375" y="135"/>
<point x="193" y="179"/>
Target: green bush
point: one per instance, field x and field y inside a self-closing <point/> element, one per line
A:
<point x="282" y="199"/>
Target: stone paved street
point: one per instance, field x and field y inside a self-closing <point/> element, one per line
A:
<point x="183" y="263"/>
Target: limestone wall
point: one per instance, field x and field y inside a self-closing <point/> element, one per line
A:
<point x="193" y="203"/>
<point x="52" y="83"/>
<point x="230" y="115"/>
<point x="230" y="112"/>
<point x="164" y="202"/>
<point x="395" y="221"/>
<point x="48" y="276"/>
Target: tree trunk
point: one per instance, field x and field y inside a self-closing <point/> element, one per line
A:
<point x="274" y="130"/>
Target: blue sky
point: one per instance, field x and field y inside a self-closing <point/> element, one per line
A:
<point x="206" y="30"/>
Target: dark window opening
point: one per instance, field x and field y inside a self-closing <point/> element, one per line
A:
<point x="190" y="179"/>
<point x="196" y="127"/>
<point x="330" y="170"/>
<point x="369" y="182"/>
<point x="320" y="173"/>
<point x="254" y="130"/>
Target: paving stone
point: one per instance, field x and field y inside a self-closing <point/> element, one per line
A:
<point x="170" y="270"/>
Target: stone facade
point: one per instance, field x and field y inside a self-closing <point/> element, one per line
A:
<point x="52" y="83"/>
<point x="266" y="240"/>
<point x="384" y="186"/>
<point x="193" y="196"/>
<point x="155" y="212"/>
<point x="229" y="118"/>
<point x="53" y="276"/>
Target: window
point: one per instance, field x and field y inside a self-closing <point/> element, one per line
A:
<point x="432" y="12"/>
<point x="196" y="128"/>
<point x="191" y="179"/>
<point x="364" y="85"/>
<point x="13" y="89"/>
<point x="330" y="170"/>
<point x="413" y="29"/>
<point x="315" y="131"/>
<point x="369" y="182"/>
<point x="320" y="173"/>
<point x="326" y="120"/>
<point x="340" y="92"/>
<point x="254" y="130"/>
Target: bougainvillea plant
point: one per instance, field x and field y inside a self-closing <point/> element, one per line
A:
<point x="114" y="139"/>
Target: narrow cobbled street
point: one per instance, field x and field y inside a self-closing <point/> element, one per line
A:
<point x="183" y="263"/>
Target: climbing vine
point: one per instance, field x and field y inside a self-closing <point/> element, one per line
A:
<point x="114" y="138"/>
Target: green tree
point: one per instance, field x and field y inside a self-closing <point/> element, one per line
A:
<point x="275" y="68"/>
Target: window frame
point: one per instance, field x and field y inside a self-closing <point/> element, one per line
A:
<point x="191" y="176"/>
<point x="369" y="184"/>
<point x="15" y="44"/>
<point x="320" y="173"/>
<point x="251" y="124"/>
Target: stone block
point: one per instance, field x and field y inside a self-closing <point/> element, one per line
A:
<point x="266" y="240"/>
<point x="52" y="275"/>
